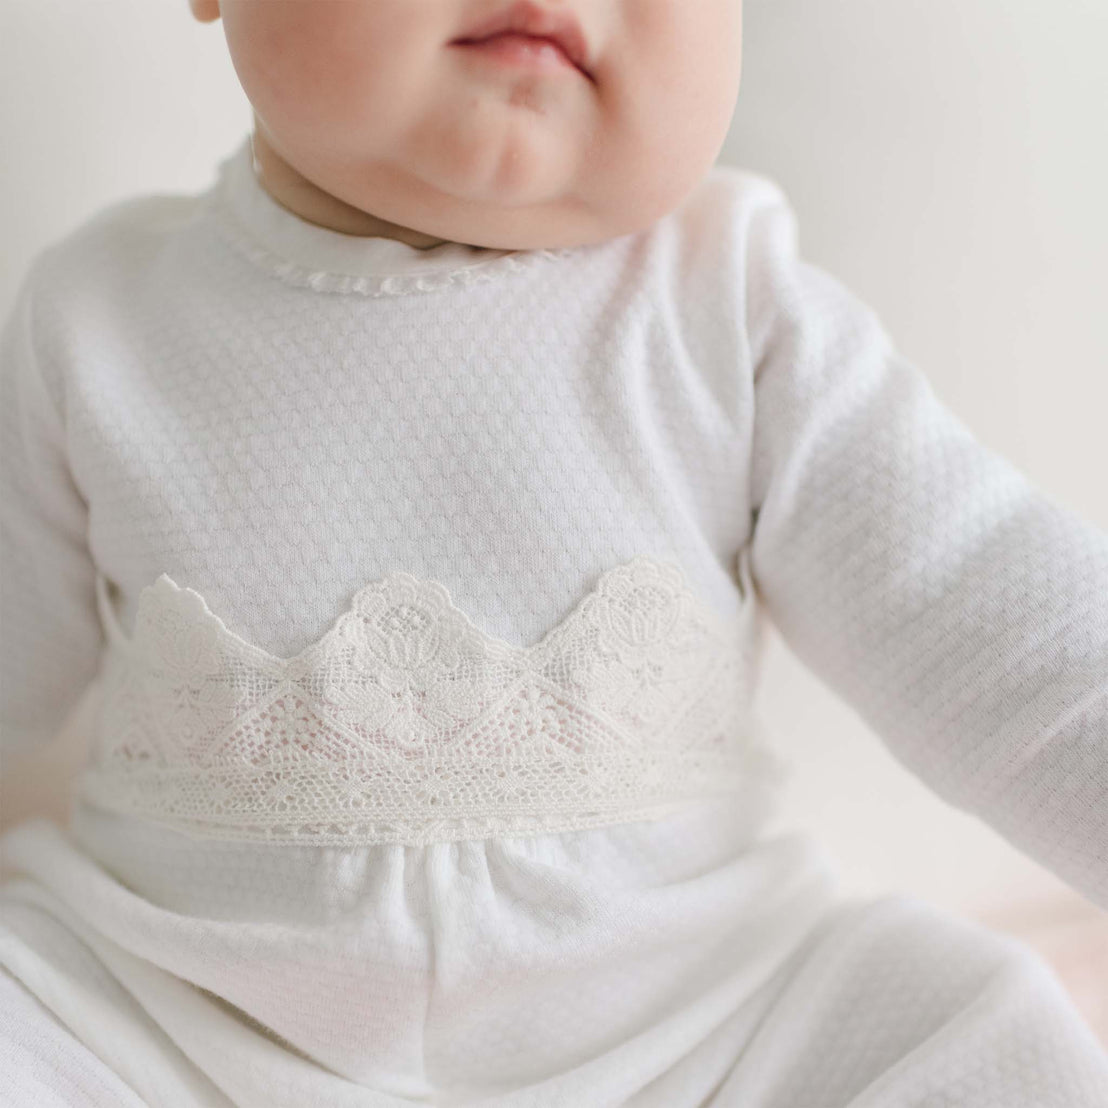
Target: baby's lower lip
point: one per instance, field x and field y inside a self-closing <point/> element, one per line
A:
<point x="517" y="49"/>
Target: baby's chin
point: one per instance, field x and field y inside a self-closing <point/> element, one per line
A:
<point x="514" y="195"/>
<point x="511" y="179"/>
<point x="495" y="176"/>
<point x="557" y="222"/>
<point x="496" y="154"/>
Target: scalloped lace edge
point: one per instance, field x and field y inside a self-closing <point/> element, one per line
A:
<point x="405" y="721"/>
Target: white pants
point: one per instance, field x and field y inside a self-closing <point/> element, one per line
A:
<point x="887" y="1002"/>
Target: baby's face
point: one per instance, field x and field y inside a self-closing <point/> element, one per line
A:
<point x="373" y="102"/>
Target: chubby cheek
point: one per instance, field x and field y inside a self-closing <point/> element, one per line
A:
<point x="315" y="64"/>
<point x="668" y="105"/>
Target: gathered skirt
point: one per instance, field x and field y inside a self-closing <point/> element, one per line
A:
<point x="684" y="962"/>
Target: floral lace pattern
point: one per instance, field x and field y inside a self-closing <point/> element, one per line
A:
<point x="405" y="722"/>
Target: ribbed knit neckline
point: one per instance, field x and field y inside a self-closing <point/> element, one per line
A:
<point x="303" y="253"/>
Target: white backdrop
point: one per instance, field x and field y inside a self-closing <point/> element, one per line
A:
<point x="948" y="160"/>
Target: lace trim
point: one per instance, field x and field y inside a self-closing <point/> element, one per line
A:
<point x="372" y="285"/>
<point x="405" y="722"/>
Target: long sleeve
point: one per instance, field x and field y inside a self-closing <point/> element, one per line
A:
<point x="50" y="634"/>
<point x="957" y="609"/>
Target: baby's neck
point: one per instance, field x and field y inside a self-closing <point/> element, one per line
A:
<point x="294" y="191"/>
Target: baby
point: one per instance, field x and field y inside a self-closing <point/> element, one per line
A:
<point x="388" y="118"/>
<point x="417" y="497"/>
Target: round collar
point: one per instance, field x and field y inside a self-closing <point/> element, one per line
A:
<point x="302" y="253"/>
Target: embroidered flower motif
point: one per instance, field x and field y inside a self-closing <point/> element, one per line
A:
<point x="649" y="641"/>
<point x="430" y="671"/>
<point x="637" y="614"/>
<point x="408" y="633"/>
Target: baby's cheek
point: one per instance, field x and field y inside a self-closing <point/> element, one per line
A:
<point x="654" y="138"/>
<point x="308" y="61"/>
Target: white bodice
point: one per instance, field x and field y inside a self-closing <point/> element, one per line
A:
<point x="406" y="722"/>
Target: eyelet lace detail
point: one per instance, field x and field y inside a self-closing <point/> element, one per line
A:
<point x="405" y="722"/>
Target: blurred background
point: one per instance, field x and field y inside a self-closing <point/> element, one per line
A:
<point x="948" y="160"/>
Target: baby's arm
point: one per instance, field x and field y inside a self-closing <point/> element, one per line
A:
<point x="958" y="609"/>
<point x="50" y="633"/>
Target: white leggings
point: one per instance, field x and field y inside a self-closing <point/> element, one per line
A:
<point x="43" y="1065"/>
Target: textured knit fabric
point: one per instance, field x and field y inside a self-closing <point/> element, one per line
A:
<point x="260" y="436"/>
<point x="45" y="1065"/>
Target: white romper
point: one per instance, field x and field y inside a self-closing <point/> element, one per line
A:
<point x="425" y="595"/>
